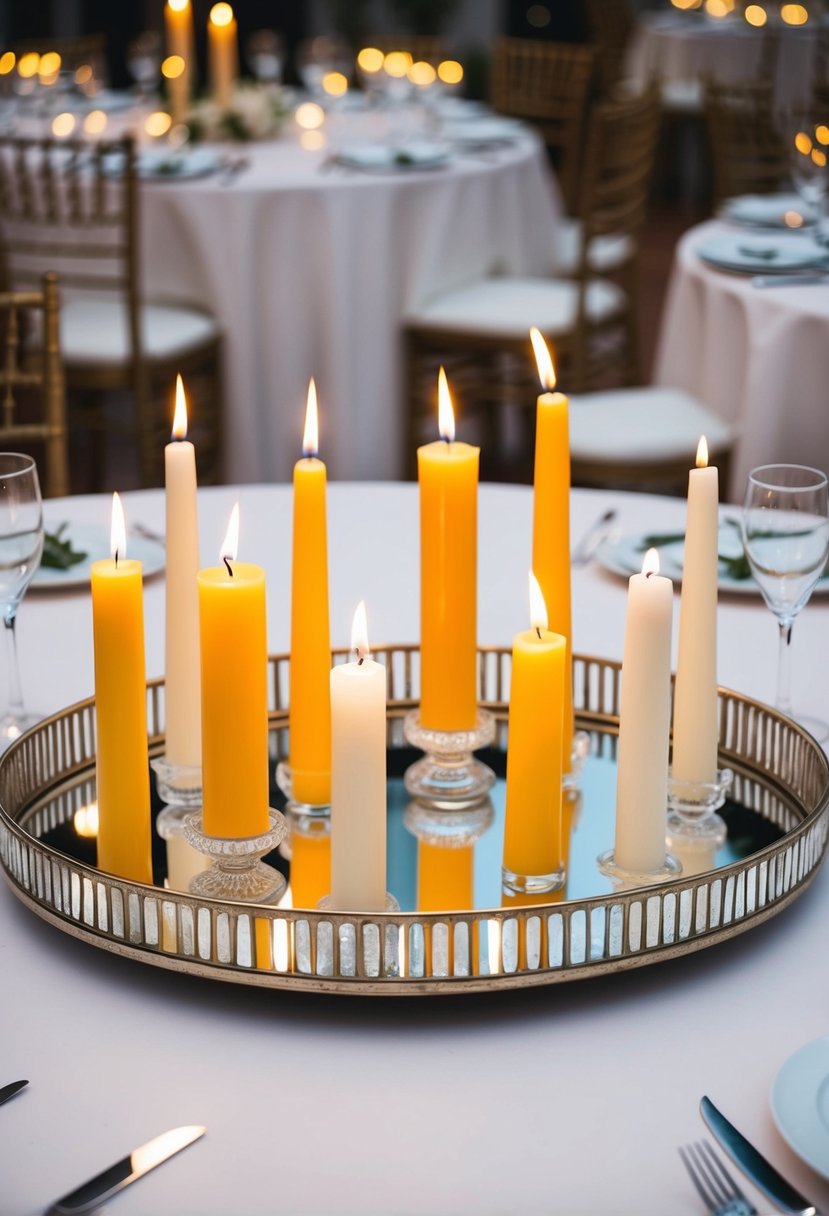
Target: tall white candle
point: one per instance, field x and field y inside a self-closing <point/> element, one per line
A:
<point x="695" y="696"/>
<point x="644" y="724"/>
<point x="182" y="663"/>
<point x="358" y="778"/>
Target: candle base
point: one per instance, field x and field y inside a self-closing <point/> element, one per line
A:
<point x="177" y="784"/>
<point x="448" y="775"/>
<point x="237" y="873"/>
<point x="578" y="755"/>
<point x="326" y="904"/>
<point x="692" y="807"/>
<point x="172" y="821"/>
<point x="670" y="868"/>
<point x="532" y="884"/>
<point x="285" y="783"/>
<point x="450" y="829"/>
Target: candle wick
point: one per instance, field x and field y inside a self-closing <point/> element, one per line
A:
<point x="648" y="573"/>
<point x="361" y="660"/>
<point x="116" y="559"/>
<point x="226" y="561"/>
<point x="446" y="439"/>
<point x="538" y="631"/>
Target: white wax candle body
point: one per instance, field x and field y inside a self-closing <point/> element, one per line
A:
<point x="695" y="697"/>
<point x="182" y="662"/>
<point x="644" y="725"/>
<point x="358" y="786"/>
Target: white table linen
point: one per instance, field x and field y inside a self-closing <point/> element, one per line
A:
<point x="569" y="1098"/>
<point x="759" y="357"/>
<point x="310" y="270"/>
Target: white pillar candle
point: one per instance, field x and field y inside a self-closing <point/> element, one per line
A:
<point x="695" y="696"/>
<point x="644" y="724"/>
<point x="358" y="779"/>
<point x="182" y="679"/>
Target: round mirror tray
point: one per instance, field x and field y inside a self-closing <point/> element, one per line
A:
<point x="455" y="930"/>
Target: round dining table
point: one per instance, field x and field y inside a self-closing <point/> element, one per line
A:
<point x="310" y="266"/>
<point x="571" y="1098"/>
<point x="757" y="356"/>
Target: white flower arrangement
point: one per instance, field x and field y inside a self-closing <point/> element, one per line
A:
<point x="255" y="112"/>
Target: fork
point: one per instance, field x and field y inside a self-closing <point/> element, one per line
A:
<point x="715" y="1186"/>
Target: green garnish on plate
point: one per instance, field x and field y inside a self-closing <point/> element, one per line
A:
<point x="58" y="554"/>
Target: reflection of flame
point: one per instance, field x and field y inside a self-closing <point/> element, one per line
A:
<point x="230" y="544"/>
<point x="118" y="530"/>
<point x="311" y="434"/>
<point x="85" y="821"/>
<point x="446" y="415"/>
<point x="546" y="371"/>
<point x="538" y="609"/>
<point x="359" y="631"/>
<point x="650" y="562"/>
<point x="702" y="453"/>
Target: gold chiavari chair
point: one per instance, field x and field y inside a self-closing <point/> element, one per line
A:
<point x="480" y="331"/>
<point x="31" y="367"/>
<point x="747" y="152"/>
<point x="546" y="84"/>
<point x="611" y="24"/>
<point x="72" y="207"/>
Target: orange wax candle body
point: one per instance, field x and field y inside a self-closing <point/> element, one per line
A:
<point x="310" y="707"/>
<point x="121" y="720"/>
<point x="551" y="535"/>
<point x="222" y="53"/>
<point x="178" y="24"/>
<point x="234" y="675"/>
<point x="448" y="476"/>
<point x="532" y="831"/>
<point x="444" y="877"/>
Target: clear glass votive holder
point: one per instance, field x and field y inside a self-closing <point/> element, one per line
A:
<point x="327" y="904"/>
<point x="178" y="785"/>
<point x="237" y="871"/>
<point x="607" y="863"/>
<point x="532" y="884"/>
<point x="453" y="829"/>
<point x="449" y="775"/>
<point x="693" y="806"/>
<point x="285" y="782"/>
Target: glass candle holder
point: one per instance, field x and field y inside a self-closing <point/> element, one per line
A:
<point x="237" y="871"/>
<point x="670" y="868"/>
<point x="451" y="829"/>
<point x="326" y="904"/>
<point x="178" y="785"/>
<point x="693" y="806"/>
<point x="449" y="775"/>
<point x="581" y="749"/>
<point x="285" y="783"/>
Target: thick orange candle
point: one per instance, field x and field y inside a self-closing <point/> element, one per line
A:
<point x="551" y="520"/>
<point x="448" y="477"/>
<point x="532" y="832"/>
<point x="178" y="24"/>
<point x="310" y="707"/>
<point x="123" y="779"/>
<point x="234" y="694"/>
<point x="222" y="53"/>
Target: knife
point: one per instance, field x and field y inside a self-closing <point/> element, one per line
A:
<point x="139" y="1162"/>
<point x="8" y="1091"/>
<point x="764" y="1176"/>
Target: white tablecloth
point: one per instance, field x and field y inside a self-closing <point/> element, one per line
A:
<point x="684" y="48"/>
<point x="568" y="1099"/>
<point x="309" y="271"/>
<point x="759" y="357"/>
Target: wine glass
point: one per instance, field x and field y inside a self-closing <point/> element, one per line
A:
<point x="21" y="547"/>
<point x="144" y="63"/>
<point x="808" y="149"/>
<point x="785" y="529"/>
<point x="266" y="56"/>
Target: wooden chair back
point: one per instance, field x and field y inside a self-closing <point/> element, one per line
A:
<point x="747" y="152"/>
<point x="611" y="24"/>
<point x="35" y="369"/>
<point x="547" y="84"/>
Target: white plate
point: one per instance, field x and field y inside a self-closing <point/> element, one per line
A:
<point x="386" y="158"/>
<point x="800" y="1104"/>
<point x="460" y="109"/>
<point x="167" y="166"/>
<point x="482" y="131"/>
<point x="623" y="556"/>
<point x="766" y="210"/>
<point x="760" y="253"/>
<point x="93" y="540"/>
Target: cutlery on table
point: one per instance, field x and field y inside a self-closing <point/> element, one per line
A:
<point x="592" y="538"/>
<point x="715" y="1186"/>
<point x="809" y="279"/>
<point x="755" y="1167"/>
<point x="147" y="533"/>
<point x="232" y="170"/>
<point x="136" y="1164"/>
<point x="8" y="1091"/>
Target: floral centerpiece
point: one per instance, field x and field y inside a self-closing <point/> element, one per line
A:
<point x="255" y="112"/>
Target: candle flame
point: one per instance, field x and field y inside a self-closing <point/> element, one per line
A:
<point x="359" y="631"/>
<point x="178" y="6"/>
<point x="446" y="415"/>
<point x="650" y="563"/>
<point x="311" y="434"/>
<point x="221" y="14"/>
<point x="702" y="453"/>
<point x="538" y="609"/>
<point x="180" y="416"/>
<point x="230" y="544"/>
<point x="546" y="371"/>
<point x="118" y="530"/>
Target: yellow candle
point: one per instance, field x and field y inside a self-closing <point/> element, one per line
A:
<point x="178" y="24"/>
<point x="310" y="867"/>
<point x="551" y="520"/>
<point x="182" y="698"/>
<point x="222" y="52"/>
<point x="234" y="697"/>
<point x="532" y="831"/>
<point x="448" y="477"/>
<point x="444" y="877"/>
<point x="310" y="706"/>
<point x="121" y="712"/>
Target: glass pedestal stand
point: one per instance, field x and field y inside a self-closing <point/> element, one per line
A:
<point x="450" y="829"/>
<point x="177" y="784"/>
<point x="448" y="775"/>
<point x="581" y="748"/>
<point x="671" y="868"/>
<point x="693" y="806"/>
<point x="285" y="783"/>
<point x="237" y="873"/>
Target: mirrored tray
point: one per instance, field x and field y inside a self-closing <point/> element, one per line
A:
<point x="455" y="931"/>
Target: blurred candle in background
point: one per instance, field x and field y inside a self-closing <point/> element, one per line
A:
<point x="222" y="53"/>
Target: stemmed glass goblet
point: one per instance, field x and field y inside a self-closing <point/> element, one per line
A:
<point x="808" y="146"/>
<point x="785" y="529"/>
<point x="21" y="547"/>
<point x="266" y="56"/>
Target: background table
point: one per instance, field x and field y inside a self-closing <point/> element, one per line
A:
<point x="310" y="268"/>
<point x="757" y="356"/>
<point x="565" y="1099"/>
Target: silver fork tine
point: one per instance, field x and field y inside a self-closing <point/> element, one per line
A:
<point x="716" y="1186"/>
<point x="697" y="1180"/>
<point x="736" y="1193"/>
